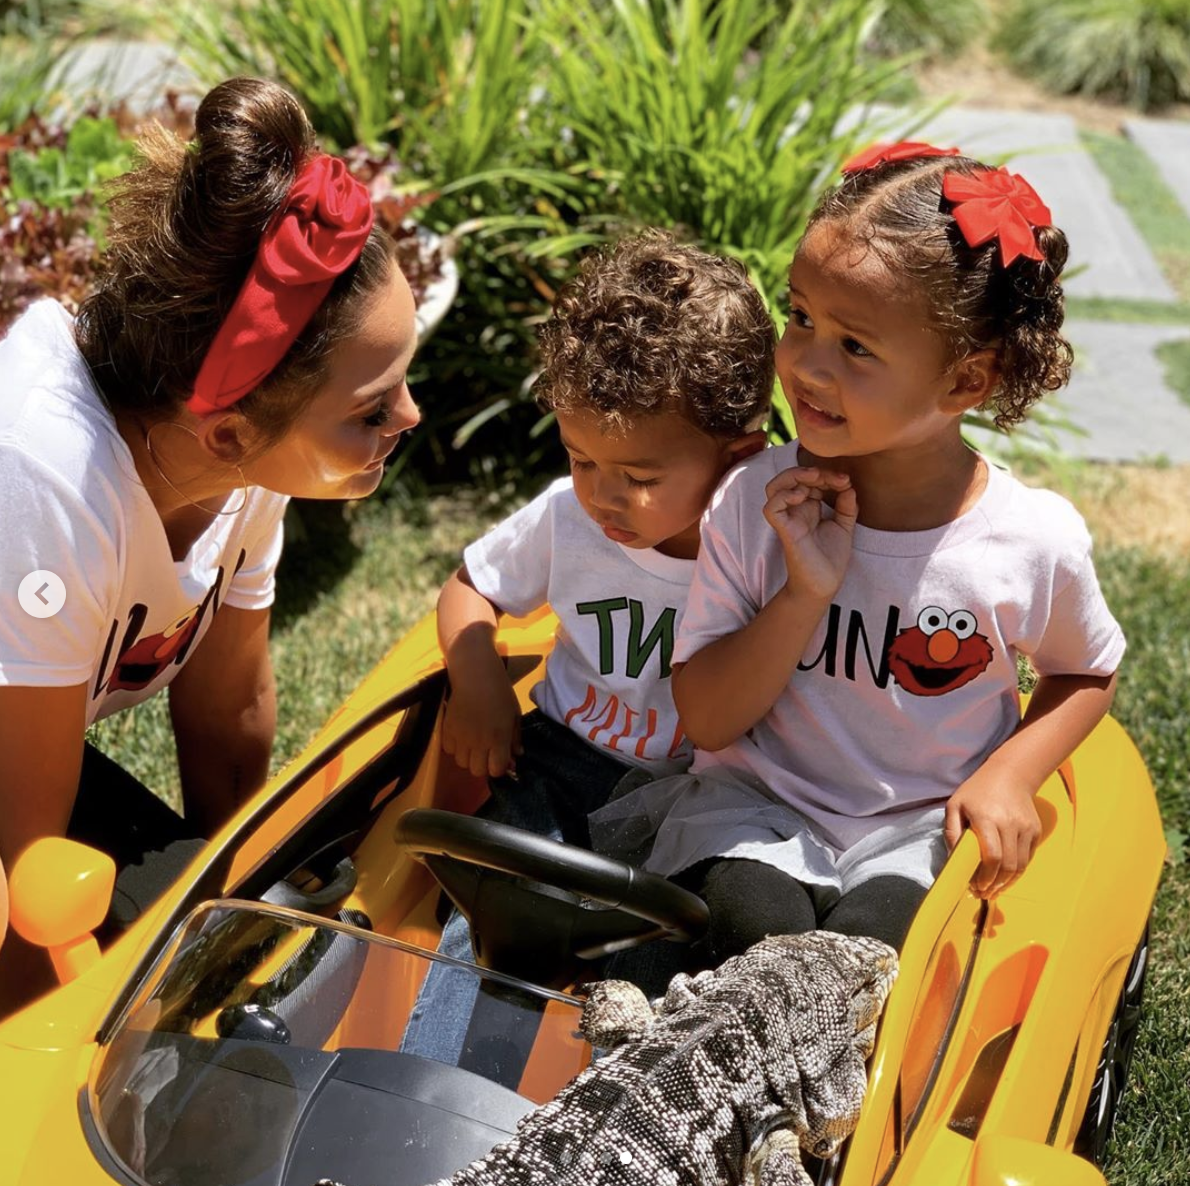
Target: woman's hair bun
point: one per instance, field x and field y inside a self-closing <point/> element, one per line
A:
<point x="250" y="139"/>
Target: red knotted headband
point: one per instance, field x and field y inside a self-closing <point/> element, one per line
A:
<point x="903" y="150"/>
<point x="317" y="234"/>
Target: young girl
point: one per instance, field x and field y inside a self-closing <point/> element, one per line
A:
<point x="862" y="594"/>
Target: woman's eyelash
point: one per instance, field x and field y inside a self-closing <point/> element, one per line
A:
<point x="381" y="416"/>
<point x="639" y="482"/>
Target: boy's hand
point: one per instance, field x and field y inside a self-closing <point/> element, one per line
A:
<point x="1002" y="813"/>
<point x="817" y="547"/>
<point x="481" y="728"/>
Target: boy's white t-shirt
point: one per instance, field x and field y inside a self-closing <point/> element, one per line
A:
<point x="871" y="725"/>
<point x="74" y="505"/>
<point x="618" y="609"/>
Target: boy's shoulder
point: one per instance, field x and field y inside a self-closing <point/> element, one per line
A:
<point x="557" y="498"/>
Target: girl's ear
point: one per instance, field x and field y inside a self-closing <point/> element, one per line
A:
<point x="974" y="379"/>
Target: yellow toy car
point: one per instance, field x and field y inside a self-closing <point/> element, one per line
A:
<point x="247" y="1030"/>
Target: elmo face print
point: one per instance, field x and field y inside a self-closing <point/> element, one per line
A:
<point x="147" y="658"/>
<point x="941" y="653"/>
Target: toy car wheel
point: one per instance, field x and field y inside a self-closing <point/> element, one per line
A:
<point x="1112" y="1073"/>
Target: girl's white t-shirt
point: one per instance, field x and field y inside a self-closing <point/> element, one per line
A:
<point x="878" y="723"/>
<point x="71" y="503"/>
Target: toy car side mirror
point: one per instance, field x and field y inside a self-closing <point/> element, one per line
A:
<point x="59" y="892"/>
<point x="1013" y="1161"/>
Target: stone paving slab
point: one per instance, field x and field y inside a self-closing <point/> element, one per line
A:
<point x="138" y="72"/>
<point x="1119" y="397"/>
<point x="1167" y="142"/>
<point x="1116" y="261"/>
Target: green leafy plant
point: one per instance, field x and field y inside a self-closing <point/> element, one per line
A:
<point x="1134" y="50"/>
<point x="725" y="122"/>
<point x="57" y="176"/>
<point x="29" y="64"/>
<point x="721" y="121"/>
<point x="443" y="82"/>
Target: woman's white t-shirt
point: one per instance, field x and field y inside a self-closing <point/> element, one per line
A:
<point x="71" y="503"/>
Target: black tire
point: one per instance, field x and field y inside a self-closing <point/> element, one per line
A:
<point x="1111" y="1075"/>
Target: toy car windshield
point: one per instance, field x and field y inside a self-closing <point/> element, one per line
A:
<point x="265" y="1050"/>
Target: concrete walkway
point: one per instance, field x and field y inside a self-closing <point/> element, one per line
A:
<point x="1118" y="404"/>
<point x="138" y="72"/>
<point x="1167" y="142"/>
<point x="1111" y="258"/>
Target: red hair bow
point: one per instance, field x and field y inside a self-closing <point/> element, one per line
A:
<point x="317" y="234"/>
<point x="996" y="204"/>
<point x="903" y="150"/>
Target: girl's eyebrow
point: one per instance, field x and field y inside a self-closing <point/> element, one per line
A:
<point x="858" y="329"/>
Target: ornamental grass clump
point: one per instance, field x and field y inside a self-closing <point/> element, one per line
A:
<point x="724" y="121"/>
<point x="929" y="27"/>
<point x="1137" y="51"/>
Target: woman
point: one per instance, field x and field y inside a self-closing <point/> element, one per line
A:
<point x="249" y="341"/>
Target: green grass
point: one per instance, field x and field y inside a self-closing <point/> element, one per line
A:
<point x="1136" y="312"/>
<point x="1140" y="189"/>
<point x="1175" y="357"/>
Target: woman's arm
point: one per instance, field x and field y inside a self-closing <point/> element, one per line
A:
<point x="41" y="757"/>
<point x="223" y="704"/>
<point x="481" y="727"/>
<point x="996" y="802"/>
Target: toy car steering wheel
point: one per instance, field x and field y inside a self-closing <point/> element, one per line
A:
<point x="538" y="908"/>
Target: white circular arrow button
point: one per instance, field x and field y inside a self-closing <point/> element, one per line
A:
<point x="42" y="593"/>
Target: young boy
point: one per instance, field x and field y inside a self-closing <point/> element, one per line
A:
<point x="657" y="364"/>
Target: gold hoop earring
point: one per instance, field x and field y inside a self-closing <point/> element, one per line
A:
<point x="184" y="497"/>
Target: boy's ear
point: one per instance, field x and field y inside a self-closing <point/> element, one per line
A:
<point x="740" y="447"/>
<point x="974" y="378"/>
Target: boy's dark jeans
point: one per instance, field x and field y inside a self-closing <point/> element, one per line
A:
<point x="559" y="781"/>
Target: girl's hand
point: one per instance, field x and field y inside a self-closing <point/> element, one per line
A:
<point x="481" y="728"/>
<point x="817" y="547"/>
<point x="1001" y="811"/>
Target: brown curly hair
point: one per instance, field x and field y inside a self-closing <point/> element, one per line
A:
<point x="897" y="208"/>
<point x="651" y="326"/>
<point x="185" y="226"/>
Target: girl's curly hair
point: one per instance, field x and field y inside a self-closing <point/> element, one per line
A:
<point x="652" y="326"/>
<point x="898" y="209"/>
